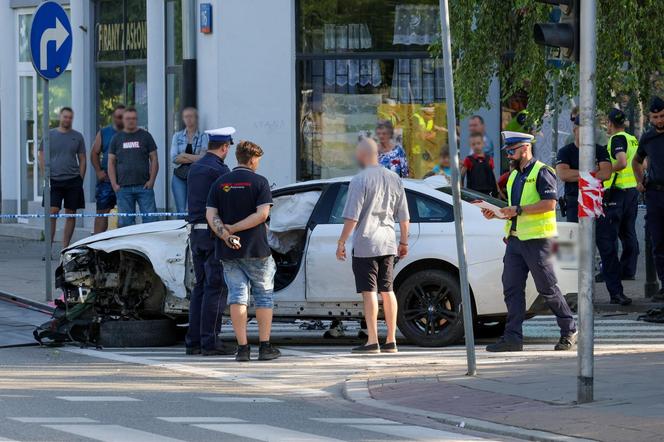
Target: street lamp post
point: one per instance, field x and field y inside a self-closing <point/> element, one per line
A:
<point x="467" y="308"/>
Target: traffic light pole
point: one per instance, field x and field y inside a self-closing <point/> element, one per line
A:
<point x="587" y="99"/>
<point x="467" y="308"/>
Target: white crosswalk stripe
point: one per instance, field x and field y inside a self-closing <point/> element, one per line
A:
<point x="607" y="330"/>
<point x="111" y="433"/>
<point x="98" y="398"/>
<point x="267" y="433"/>
<point x="413" y="432"/>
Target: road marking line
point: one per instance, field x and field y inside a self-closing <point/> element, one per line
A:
<point x="201" y="420"/>
<point x="417" y="433"/>
<point x="54" y="420"/>
<point x="201" y="371"/>
<point x="266" y="433"/>
<point x="240" y="399"/>
<point x="355" y="420"/>
<point x="111" y="433"/>
<point x="98" y="398"/>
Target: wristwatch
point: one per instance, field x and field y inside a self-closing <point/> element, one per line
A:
<point x="519" y="210"/>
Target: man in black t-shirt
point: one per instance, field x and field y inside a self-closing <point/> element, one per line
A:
<point x="132" y="169"/>
<point x="238" y="206"/>
<point x="651" y="147"/>
<point x="567" y="169"/>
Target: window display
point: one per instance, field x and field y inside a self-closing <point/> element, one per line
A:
<point x="360" y="63"/>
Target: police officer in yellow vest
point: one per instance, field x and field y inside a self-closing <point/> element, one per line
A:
<point x="529" y="229"/>
<point x="620" y="209"/>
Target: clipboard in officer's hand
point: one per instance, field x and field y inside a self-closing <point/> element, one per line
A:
<point x="488" y="206"/>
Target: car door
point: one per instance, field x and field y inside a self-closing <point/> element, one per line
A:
<point x="327" y="279"/>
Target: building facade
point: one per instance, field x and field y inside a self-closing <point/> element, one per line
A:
<point x="302" y="78"/>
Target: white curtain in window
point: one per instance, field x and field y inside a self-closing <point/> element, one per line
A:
<point x="416" y="24"/>
<point x="343" y="38"/>
<point x="418" y="81"/>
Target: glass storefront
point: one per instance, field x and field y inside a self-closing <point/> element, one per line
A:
<point x="121" y="57"/>
<point x="361" y="62"/>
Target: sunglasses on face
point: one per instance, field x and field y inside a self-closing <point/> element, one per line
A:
<point x="511" y="150"/>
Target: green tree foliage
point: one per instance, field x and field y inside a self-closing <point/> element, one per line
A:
<point x="494" y="38"/>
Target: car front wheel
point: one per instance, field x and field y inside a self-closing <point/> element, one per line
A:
<point x="429" y="312"/>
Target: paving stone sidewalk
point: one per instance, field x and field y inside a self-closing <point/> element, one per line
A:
<point x="539" y="394"/>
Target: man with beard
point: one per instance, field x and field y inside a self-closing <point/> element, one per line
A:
<point x="68" y="165"/>
<point x="530" y="227"/>
<point x="651" y="147"/>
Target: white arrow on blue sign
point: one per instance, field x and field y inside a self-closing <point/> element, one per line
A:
<point x="50" y="40"/>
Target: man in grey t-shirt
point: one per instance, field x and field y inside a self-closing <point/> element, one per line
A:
<point x="67" y="161"/>
<point x="376" y="200"/>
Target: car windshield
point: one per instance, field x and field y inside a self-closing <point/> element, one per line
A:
<point x="471" y="195"/>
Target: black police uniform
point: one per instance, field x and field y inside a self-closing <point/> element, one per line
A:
<point x="618" y="222"/>
<point x="569" y="154"/>
<point x="208" y="299"/>
<point x="534" y="256"/>
<point x="651" y="147"/>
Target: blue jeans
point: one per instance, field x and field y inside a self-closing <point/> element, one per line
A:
<point x="250" y="274"/>
<point x="179" y="188"/>
<point x="128" y="197"/>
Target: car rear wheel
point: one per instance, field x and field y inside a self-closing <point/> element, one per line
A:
<point x="430" y="309"/>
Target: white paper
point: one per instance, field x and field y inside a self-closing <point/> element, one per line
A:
<point x="495" y="209"/>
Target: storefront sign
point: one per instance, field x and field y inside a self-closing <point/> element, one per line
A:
<point x="128" y="36"/>
<point x="206" y="18"/>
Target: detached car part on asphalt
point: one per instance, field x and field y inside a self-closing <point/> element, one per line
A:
<point x="144" y="272"/>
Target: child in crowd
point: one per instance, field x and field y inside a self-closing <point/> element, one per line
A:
<point x="478" y="168"/>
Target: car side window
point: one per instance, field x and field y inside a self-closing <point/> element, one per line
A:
<point x="424" y="209"/>
<point x="336" y="214"/>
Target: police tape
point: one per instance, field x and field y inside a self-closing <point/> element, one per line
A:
<point x="91" y="215"/>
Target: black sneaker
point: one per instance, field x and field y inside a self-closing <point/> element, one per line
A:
<point x="567" y="342"/>
<point x="243" y="353"/>
<point x="621" y="299"/>
<point x="504" y="346"/>
<point x="390" y="347"/>
<point x="220" y="350"/>
<point x="266" y="352"/>
<point x="193" y="351"/>
<point x="366" y="349"/>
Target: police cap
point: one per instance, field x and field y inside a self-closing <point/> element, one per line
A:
<point x="221" y="135"/>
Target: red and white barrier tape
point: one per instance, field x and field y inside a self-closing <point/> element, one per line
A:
<point x="591" y="192"/>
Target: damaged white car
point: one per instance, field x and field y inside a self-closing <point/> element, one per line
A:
<point x="145" y="270"/>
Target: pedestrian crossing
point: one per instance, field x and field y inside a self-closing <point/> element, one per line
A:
<point x="230" y="428"/>
<point x="610" y="330"/>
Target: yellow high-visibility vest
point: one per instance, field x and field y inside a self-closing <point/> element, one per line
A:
<point x="541" y="225"/>
<point x="625" y="179"/>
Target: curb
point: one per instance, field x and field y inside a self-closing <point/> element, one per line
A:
<point x="24" y="302"/>
<point x="356" y="389"/>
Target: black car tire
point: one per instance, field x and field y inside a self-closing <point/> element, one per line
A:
<point x="138" y="333"/>
<point x="491" y="329"/>
<point x="429" y="312"/>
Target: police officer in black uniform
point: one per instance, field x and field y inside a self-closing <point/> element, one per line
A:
<point x="529" y="229"/>
<point x="651" y="181"/>
<point x="208" y="299"/>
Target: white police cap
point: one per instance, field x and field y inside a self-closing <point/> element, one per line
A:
<point x="510" y="138"/>
<point x="221" y="135"/>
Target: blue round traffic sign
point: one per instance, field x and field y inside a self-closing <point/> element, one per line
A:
<point x="50" y="40"/>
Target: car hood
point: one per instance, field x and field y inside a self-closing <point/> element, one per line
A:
<point x="137" y="229"/>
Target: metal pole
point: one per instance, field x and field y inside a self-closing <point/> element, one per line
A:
<point x="554" y="122"/>
<point x="189" y="65"/>
<point x="456" y="188"/>
<point x="587" y="92"/>
<point x="47" y="192"/>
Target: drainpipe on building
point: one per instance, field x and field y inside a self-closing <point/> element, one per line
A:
<point x="188" y="53"/>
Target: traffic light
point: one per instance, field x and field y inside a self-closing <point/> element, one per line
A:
<point x="563" y="32"/>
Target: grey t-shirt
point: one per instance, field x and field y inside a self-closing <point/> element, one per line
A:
<point x="64" y="148"/>
<point x="132" y="156"/>
<point x="376" y="200"/>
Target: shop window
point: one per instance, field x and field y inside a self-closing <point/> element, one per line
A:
<point x="121" y="53"/>
<point x="361" y="63"/>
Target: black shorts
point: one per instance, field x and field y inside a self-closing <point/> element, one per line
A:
<point x="70" y="192"/>
<point x="373" y="274"/>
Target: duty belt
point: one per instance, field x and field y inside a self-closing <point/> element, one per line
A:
<point x="655" y="186"/>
